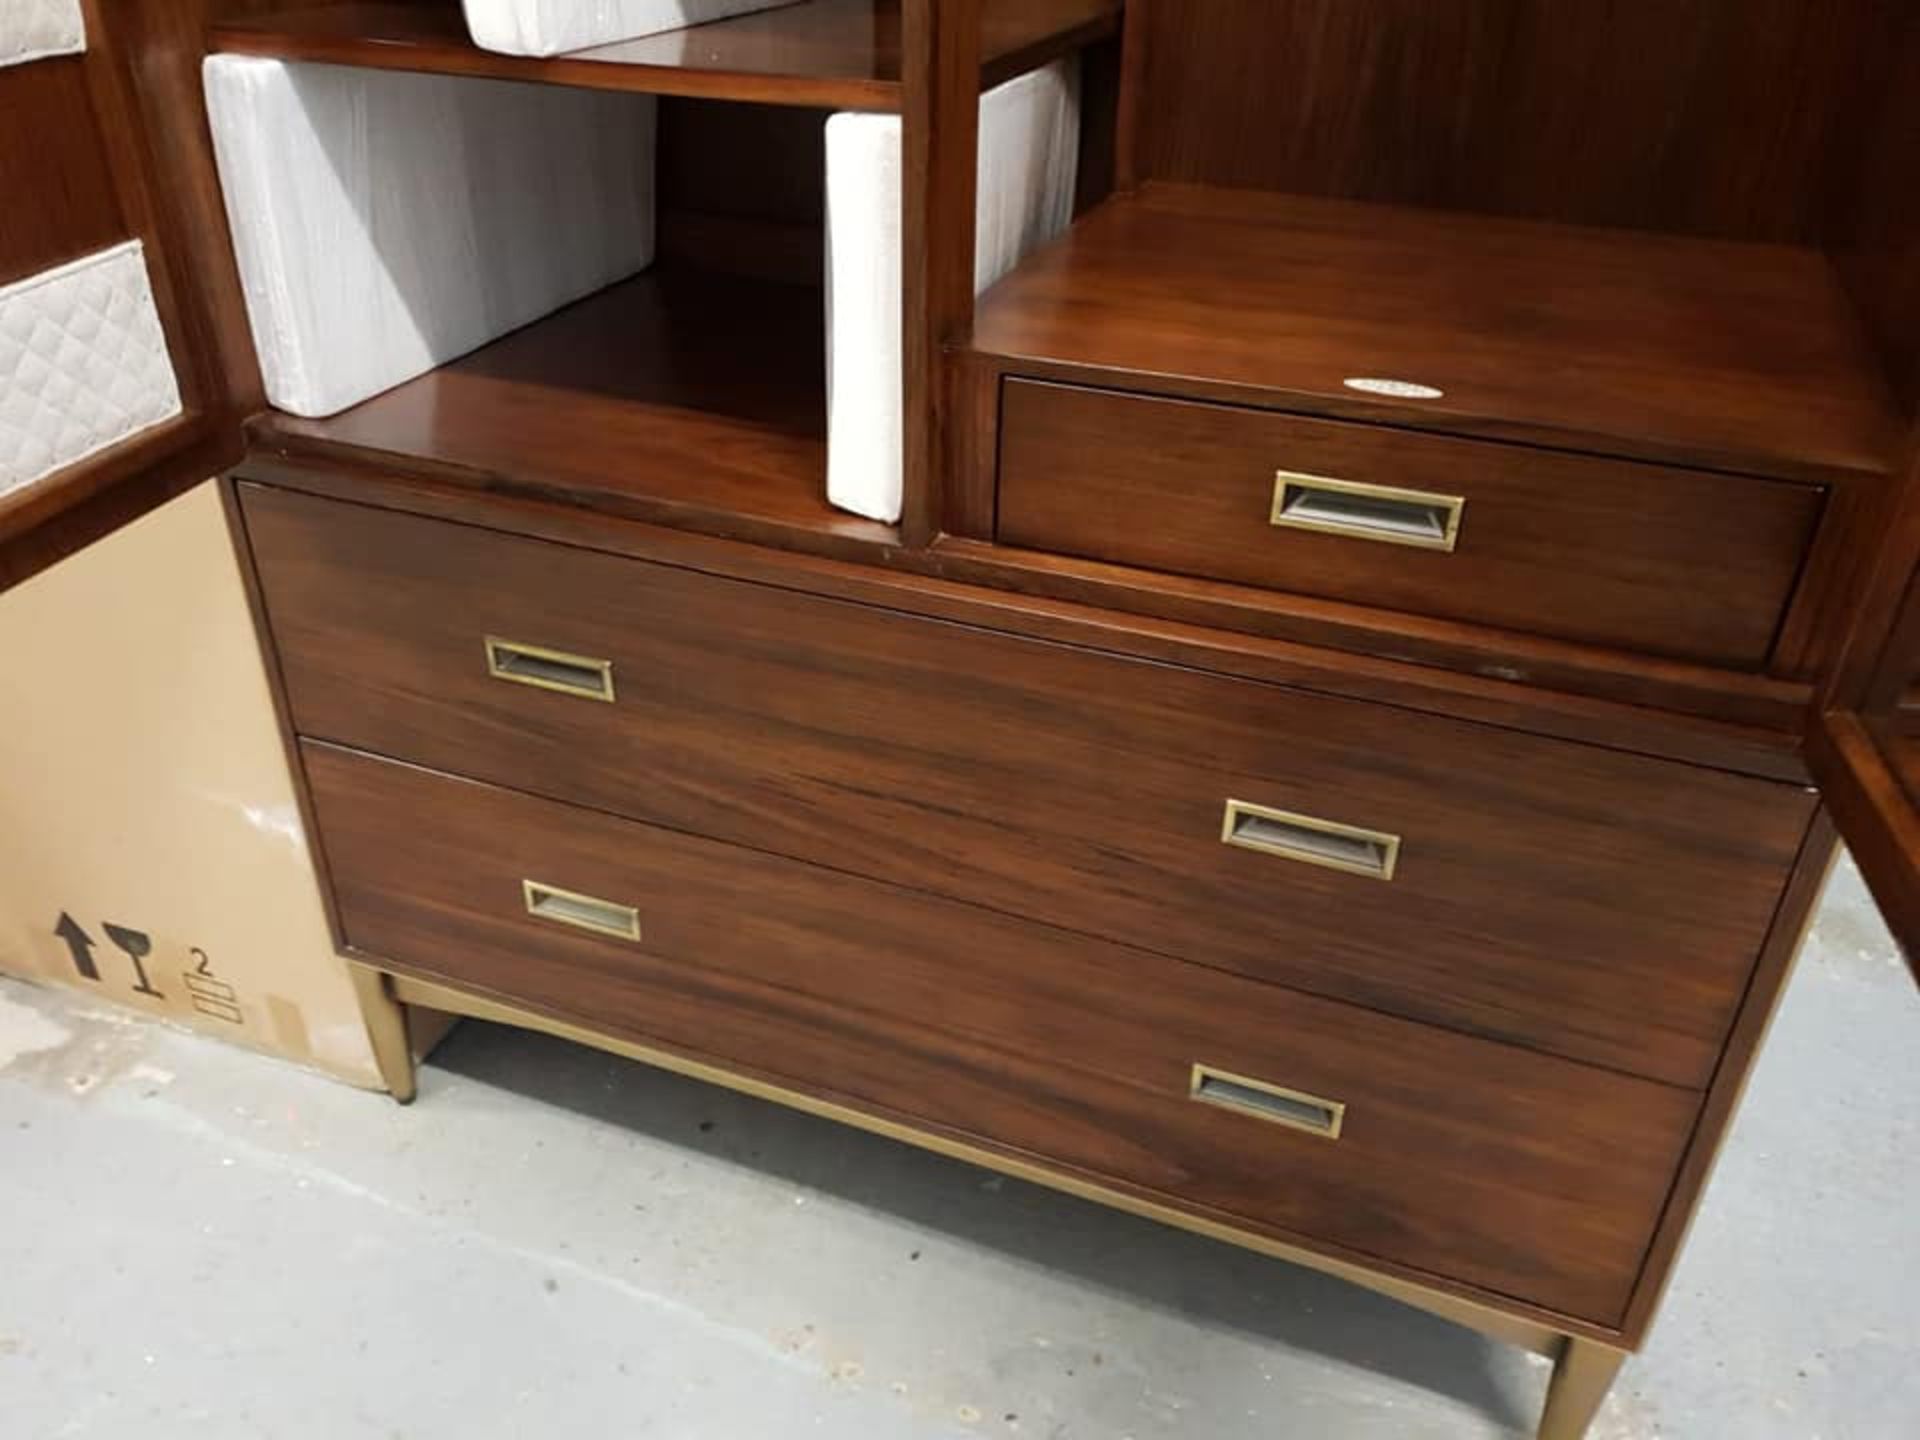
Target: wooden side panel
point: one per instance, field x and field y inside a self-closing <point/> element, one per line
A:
<point x="1714" y="117"/>
<point x="60" y="199"/>
<point x="1522" y="1175"/>
<point x="1876" y="231"/>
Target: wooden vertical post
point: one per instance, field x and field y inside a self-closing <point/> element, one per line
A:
<point x="940" y="76"/>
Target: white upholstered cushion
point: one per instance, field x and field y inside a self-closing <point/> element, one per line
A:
<point x="553" y="27"/>
<point x="37" y="29"/>
<point x="1029" y="164"/>
<point x="386" y="223"/>
<point x="83" y="364"/>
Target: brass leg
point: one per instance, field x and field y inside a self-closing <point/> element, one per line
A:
<point x="387" y="1028"/>
<point x="1581" y="1379"/>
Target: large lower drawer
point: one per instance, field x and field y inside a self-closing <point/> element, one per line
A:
<point x="1645" y="557"/>
<point x="1522" y="1174"/>
<point x="1586" y="902"/>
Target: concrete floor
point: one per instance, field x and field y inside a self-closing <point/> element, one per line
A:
<point x="197" y="1242"/>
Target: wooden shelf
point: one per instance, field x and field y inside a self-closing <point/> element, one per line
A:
<point x="835" y="54"/>
<point x="1729" y="356"/>
<point x="680" y="397"/>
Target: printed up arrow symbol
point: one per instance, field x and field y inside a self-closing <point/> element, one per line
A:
<point x="80" y="944"/>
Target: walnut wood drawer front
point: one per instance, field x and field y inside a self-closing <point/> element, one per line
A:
<point x="1676" y="562"/>
<point x="1585" y="902"/>
<point x="1522" y="1174"/>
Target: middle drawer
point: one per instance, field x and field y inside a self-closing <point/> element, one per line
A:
<point x="1594" y="904"/>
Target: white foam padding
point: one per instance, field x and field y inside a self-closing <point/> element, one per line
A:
<point x="386" y="223"/>
<point x="83" y="364"/>
<point x="1029" y="164"/>
<point x="553" y="27"/>
<point x="39" y="29"/>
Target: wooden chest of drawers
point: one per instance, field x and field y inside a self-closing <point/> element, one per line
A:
<point x="1616" y="925"/>
<point x="1331" y="749"/>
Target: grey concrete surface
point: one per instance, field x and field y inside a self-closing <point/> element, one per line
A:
<point x="195" y="1242"/>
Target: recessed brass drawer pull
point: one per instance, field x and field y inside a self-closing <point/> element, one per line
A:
<point x="583" y="912"/>
<point x="1273" y="1103"/>
<point x="1367" y="512"/>
<point x="1310" y="841"/>
<point x="549" y="669"/>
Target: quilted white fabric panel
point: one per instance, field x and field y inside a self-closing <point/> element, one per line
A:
<point x="1029" y="163"/>
<point x="386" y="223"/>
<point x="552" y="27"/>
<point x="83" y="363"/>
<point x="37" y="29"/>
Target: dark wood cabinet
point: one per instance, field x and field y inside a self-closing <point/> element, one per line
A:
<point x="1384" y="620"/>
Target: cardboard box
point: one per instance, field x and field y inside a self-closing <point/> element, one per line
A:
<point x="151" y="850"/>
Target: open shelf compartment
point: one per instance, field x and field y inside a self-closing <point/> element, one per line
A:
<point x="680" y="396"/>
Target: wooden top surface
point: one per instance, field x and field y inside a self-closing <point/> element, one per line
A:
<point x="843" y="54"/>
<point x="1732" y="356"/>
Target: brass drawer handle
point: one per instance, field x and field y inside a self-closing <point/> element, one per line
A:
<point x="583" y="912"/>
<point x="1367" y="512"/>
<point x="546" y="669"/>
<point x="1309" y="841"/>
<point x="1273" y="1103"/>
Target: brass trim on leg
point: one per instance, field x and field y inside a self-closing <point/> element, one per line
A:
<point x="386" y="1022"/>
<point x="1510" y="1329"/>
<point x="1583" y="1373"/>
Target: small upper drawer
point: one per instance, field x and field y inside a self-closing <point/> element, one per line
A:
<point x="1596" y="904"/>
<point x="1677" y="562"/>
<point x="1485" y="1164"/>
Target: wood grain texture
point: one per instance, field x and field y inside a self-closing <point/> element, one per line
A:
<point x="938" y="584"/>
<point x="1711" y="117"/>
<point x="1615" y="924"/>
<point x="939" y="160"/>
<point x="840" y="54"/>
<point x="1735" y="357"/>
<point x="1874" y="225"/>
<point x="1675" y="562"/>
<point x="1527" y="1176"/>
<point x="679" y="396"/>
<point x="742" y="189"/>
<point x="61" y="201"/>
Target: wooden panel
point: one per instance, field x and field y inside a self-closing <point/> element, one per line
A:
<point x="843" y="54"/>
<point x="1616" y="923"/>
<point x="1674" y="562"/>
<point x="1733" y="357"/>
<point x="61" y="202"/>
<point x="1876" y="224"/>
<point x="742" y="188"/>
<point x="1712" y="117"/>
<point x="1527" y="1176"/>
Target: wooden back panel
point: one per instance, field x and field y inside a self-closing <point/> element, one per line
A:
<point x="1876" y="231"/>
<point x="1710" y="117"/>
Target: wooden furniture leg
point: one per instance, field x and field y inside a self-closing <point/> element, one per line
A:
<point x="1582" y="1376"/>
<point x="387" y="1029"/>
